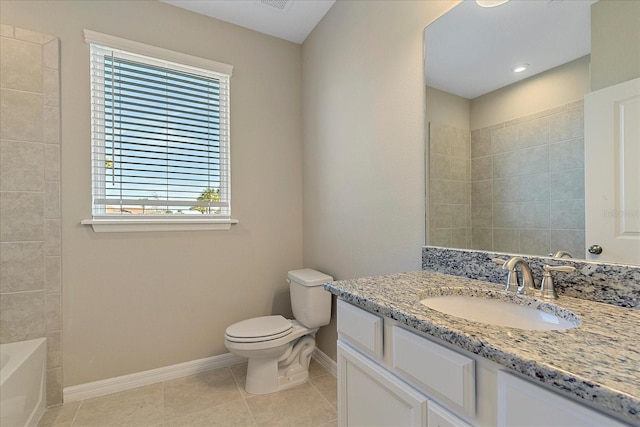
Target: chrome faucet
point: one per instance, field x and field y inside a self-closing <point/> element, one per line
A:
<point x="527" y="287"/>
<point x="561" y="254"/>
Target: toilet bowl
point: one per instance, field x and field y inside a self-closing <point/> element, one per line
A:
<point x="279" y="349"/>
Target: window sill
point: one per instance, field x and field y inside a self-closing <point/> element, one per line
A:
<point x="136" y="225"/>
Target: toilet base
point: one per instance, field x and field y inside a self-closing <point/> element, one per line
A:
<point x="268" y="375"/>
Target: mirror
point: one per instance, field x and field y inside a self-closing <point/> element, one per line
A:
<point x="505" y="157"/>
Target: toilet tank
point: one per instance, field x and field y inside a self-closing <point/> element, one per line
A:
<point x="310" y="303"/>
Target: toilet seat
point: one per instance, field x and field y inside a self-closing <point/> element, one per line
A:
<point x="259" y="329"/>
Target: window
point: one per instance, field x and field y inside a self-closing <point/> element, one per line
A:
<point x="159" y="136"/>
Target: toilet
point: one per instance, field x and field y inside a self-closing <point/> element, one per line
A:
<point x="278" y="349"/>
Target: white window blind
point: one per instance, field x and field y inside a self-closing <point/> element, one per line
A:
<point x="160" y="138"/>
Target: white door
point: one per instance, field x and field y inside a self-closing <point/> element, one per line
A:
<point x="612" y="173"/>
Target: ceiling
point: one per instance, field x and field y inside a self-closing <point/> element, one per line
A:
<point x="471" y="50"/>
<point x="291" y="20"/>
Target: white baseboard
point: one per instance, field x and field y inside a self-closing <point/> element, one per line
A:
<point x="139" y="379"/>
<point x="325" y="361"/>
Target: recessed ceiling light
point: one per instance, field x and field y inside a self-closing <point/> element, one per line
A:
<point x="519" y="68"/>
<point x="490" y="3"/>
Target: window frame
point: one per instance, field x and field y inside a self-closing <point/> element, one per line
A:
<point x="125" y="223"/>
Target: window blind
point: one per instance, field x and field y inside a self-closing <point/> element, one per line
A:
<point x="160" y="137"/>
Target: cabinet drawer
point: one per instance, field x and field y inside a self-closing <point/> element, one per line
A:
<point x="441" y="372"/>
<point x="360" y="328"/>
<point x="440" y="417"/>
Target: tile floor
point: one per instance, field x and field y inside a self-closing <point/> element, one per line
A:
<point x="213" y="398"/>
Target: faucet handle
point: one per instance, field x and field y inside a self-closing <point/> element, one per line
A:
<point x="512" y="277"/>
<point x="562" y="268"/>
<point x="547" y="290"/>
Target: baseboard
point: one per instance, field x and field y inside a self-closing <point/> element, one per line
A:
<point x="139" y="379"/>
<point x="325" y="361"/>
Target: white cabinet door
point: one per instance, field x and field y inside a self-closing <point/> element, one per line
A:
<point x="612" y="172"/>
<point x="524" y="404"/>
<point x="440" y="417"/>
<point x="368" y="396"/>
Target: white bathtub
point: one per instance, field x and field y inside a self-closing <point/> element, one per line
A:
<point x="22" y="382"/>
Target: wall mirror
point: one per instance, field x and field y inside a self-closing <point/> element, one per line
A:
<point x="505" y="150"/>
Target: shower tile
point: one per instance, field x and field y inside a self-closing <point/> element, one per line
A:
<point x="506" y="240"/>
<point x="140" y="407"/>
<point x="54" y="349"/>
<point x="504" y="190"/>
<point x="458" y="169"/>
<point x="21" y="166"/>
<point x="568" y="184"/>
<point x="534" y="215"/>
<point x="458" y="193"/>
<point x="51" y="162"/>
<point x="438" y="140"/>
<point x="506" y="215"/>
<point x="533" y="132"/>
<point x="440" y="237"/>
<point x="52" y="237"/>
<point x="480" y="143"/>
<point x="482" y="239"/>
<point x="22" y="316"/>
<point x="567" y="214"/>
<point x="53" y="312"/>
<point x="21" y="266"/>
<point x="51" y="119"/>
<point x="20" y="115"/>
<point x="504" y="139"/>
<point x="460" y="141"/>
<point x="21" y="65"/>
<point x="54" y="386"/>
<point x="199" y="392"/>
<point x="51" y="87"/>
<point x="444" y="216"/>
<point x="506" y="164"/>
<point x="482" y="192"/>
<point x="534" y="242"/>
<point x="51" y="54"/>
<point x="566" y="125"/>
<point x="566" y="155"/>
<point x="481" y="215"/>
<point x="482" y="168"/>
<point x="440" y="166"/>
<point x="53" y="274"/>
<point x="533" y="187"/>
<point x="51" y="200"/>
<point x="533" y="160"/>
<point x="460" y="238"/>
<point x="21" y="216"/>
<point x="32" y="36"/>
<point x="440" y="191"/>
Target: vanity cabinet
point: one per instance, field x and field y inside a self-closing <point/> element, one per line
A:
<point x="389" y="375"/>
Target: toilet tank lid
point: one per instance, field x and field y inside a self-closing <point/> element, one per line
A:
<point x="309" y="277"/>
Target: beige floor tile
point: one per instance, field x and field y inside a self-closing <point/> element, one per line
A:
<point x="233" y="414"/>
<point x="240" y="374"/>
<point x="199" y="392"/>
<point x="332" y="423"/>
<point x="297" y="407"/>
<point x="60" y="416"/>
<point x="327" y="385"/>
<point x="316" y="369"/>
<point x="138" y="407"/>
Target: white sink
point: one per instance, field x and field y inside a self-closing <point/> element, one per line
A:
<point x="497" y="312"/>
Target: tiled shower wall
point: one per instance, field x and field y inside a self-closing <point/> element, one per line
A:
<point x="30" y="262"/>
<point x="527" y="183"/>
<point x="449" y="186"/>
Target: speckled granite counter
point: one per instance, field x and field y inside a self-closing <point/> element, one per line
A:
<point x="599" y="361"/>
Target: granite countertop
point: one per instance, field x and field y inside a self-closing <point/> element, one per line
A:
<point x="599" y="361"/>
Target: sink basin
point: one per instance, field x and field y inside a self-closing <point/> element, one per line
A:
<point x="498" y="312"/>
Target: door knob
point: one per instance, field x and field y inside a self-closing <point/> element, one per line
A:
<point x="595" y="249"/>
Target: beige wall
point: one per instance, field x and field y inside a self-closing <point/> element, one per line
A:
<point x="615" y="37"/>
<point x="559" y="86"/>
<point x="364" y="140"/>
<point x="137" y="301"/>
<point x="448" y="109"/>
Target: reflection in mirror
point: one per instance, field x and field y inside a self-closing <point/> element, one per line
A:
<point x="506" y="150"/>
